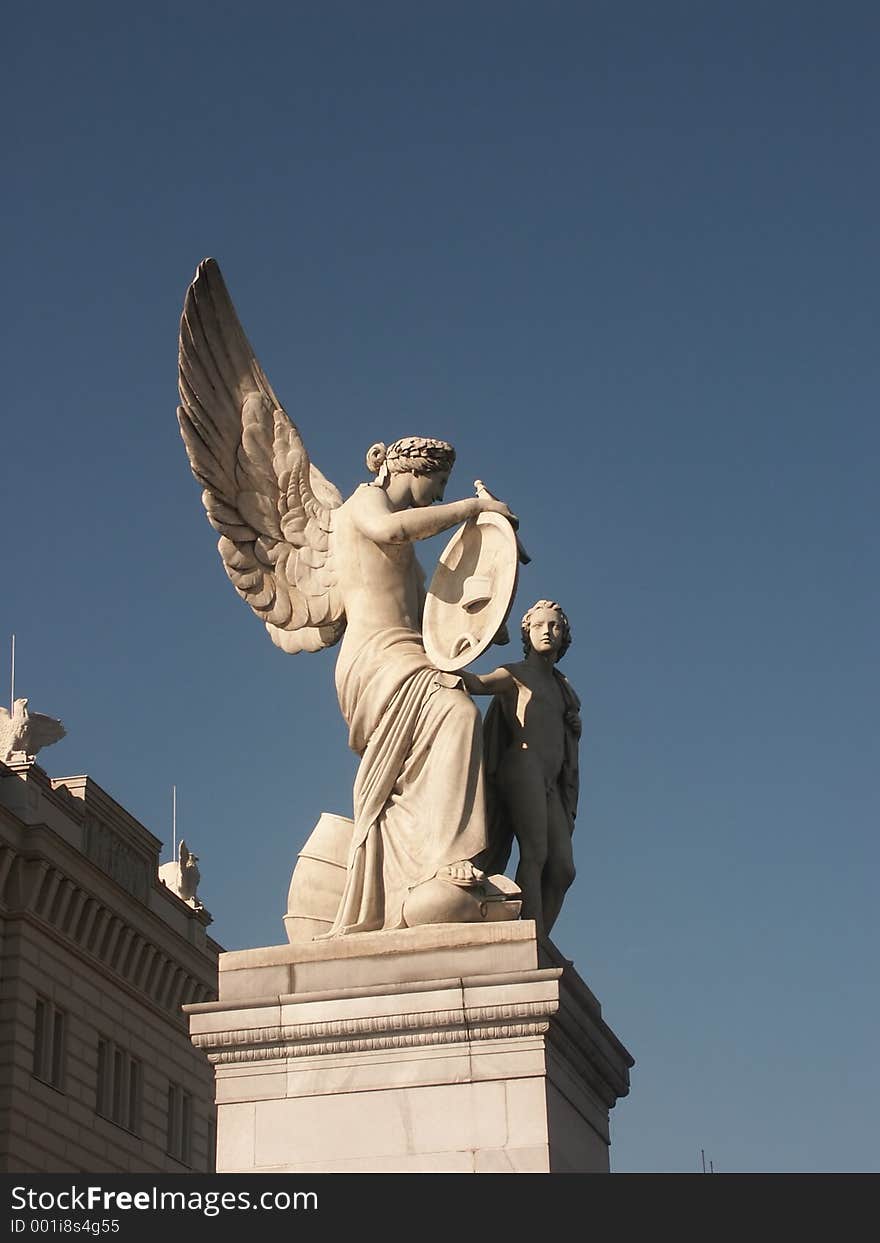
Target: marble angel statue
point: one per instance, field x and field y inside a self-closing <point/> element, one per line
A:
<point x="317" y="569"/>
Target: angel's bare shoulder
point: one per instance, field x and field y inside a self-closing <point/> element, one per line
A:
<point x="371" y="514"/>
<point x="368" y="499"/>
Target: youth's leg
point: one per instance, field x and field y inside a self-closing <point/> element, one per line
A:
<point x="559" y="871"/>
<point x="521" y="780"/>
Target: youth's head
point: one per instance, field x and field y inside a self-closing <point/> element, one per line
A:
<point x="427" y="462"/>
<point x="545" y="629"/>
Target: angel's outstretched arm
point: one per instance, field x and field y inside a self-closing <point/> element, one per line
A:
<point x="374" y="517"/>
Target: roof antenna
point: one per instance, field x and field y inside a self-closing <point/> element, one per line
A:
<point x="174" y="822"/>
<point x="12" y="680"/>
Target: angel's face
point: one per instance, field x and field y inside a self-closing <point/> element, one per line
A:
<point x="426" y="489"/>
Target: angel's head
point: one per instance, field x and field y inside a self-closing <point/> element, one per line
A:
<point x="427" y="462"/>
<point x="545" y="629"/>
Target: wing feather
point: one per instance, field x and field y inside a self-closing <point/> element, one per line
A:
<point x="271" y="506"/>
<point x="42" y="731"/>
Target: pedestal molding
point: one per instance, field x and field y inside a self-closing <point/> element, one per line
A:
<point x="353" y="1035"/>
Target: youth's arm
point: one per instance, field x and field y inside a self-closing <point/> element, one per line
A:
<point x="498" y="682"/>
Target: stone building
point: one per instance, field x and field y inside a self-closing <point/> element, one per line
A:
<point x="97" y="956"/>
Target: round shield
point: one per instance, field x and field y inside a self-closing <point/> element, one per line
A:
<point x="471" y="592"/>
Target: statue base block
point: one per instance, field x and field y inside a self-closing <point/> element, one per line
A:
<point x="451" y="1049"/>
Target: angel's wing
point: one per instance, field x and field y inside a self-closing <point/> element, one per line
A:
<point x="272" y="507"/>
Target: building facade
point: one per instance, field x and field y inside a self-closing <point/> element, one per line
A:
<point x="97" y="957"/>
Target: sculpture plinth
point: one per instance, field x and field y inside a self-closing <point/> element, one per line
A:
<point x="452" y="1048"/>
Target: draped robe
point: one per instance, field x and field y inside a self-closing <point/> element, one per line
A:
<point x="418" y="798"/>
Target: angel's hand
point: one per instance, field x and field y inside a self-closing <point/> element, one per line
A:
<point x="489" y="505"/>
<point x="573" y="721"/>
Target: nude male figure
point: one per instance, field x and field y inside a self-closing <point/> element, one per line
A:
<point x="531" y="738"/>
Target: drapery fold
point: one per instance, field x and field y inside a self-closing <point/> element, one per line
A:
<point x="419" y="802"/>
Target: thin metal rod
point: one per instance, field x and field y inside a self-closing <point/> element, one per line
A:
<point x="12" y="680"/>
<point x="174" y="822"/>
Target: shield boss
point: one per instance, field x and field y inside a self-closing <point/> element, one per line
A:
<point x="471" y="592"/>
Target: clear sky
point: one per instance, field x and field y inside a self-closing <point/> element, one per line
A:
<point x="624" y="255"/>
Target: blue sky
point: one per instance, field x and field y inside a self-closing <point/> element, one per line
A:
<point x="625" y="257"/>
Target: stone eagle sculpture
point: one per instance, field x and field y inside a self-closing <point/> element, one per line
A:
<point x="26" y="733"/>
<point x="182" y="877"/>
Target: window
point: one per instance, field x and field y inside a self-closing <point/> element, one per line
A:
<point x="119" y="1086"/>
<point x="179" y="1136"/>
<point x="49" y="1029"/>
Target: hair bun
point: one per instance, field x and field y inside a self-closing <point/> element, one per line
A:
<point x="376" y="457"/>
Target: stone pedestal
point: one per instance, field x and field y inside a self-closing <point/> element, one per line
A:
<point x="452" y="1048"/>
